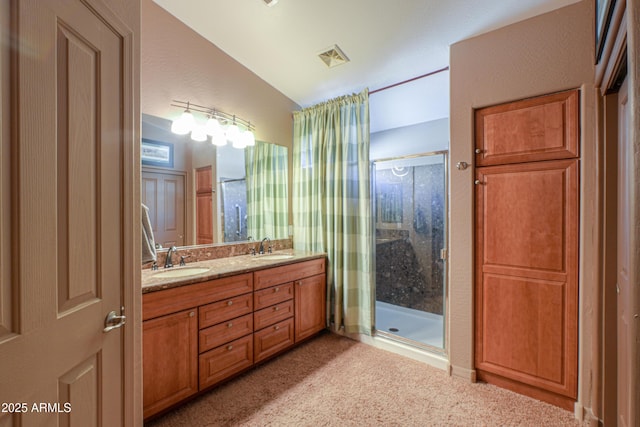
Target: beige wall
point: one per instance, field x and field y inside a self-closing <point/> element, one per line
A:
<point x="179" y="64"/>
<point x="545" y="54"/>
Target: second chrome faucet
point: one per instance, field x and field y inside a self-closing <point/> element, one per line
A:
<point x="261" y="247"/>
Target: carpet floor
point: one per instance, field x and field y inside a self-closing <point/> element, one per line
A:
<point x="335" y="381"/>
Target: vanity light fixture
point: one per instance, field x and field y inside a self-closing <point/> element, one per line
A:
<point x="184" y="124"/>
<point x="223" y="128"/>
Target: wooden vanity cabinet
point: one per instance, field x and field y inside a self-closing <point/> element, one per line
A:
<point x="175" y="329"/>
<point x="196" y="336"/>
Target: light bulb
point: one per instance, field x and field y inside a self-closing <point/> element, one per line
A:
<point x="184" y="124"/>
<point x="218" y="138"/>
<point x="248" y="139"/>
<point x="199" y="134"/>
<point x="232" y="133"/>
<point x="238" y="142"/>
<point x="212" y="126"/>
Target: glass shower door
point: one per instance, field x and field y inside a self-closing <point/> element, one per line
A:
<point x="410" y="219"/>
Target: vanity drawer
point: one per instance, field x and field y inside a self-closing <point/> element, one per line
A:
<point x="288" y="273"/>
<point x="172" y="300"/>
<point x="270" y="296"/>
<point x="226" y="360"/>
<point x="227" y="309"/>
<point x="270" y="315"/>
<point x="273" y="339"/>
<point x="221" y="333"/>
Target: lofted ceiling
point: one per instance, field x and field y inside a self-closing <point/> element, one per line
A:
<point x="385" y="41"/>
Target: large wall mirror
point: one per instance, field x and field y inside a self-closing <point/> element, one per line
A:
<point x="198" y="193"/>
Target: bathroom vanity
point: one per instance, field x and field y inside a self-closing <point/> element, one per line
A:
<point x="224" y="316"/>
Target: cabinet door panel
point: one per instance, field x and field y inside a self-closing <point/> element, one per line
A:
<point x="526" y="274"/>
<point x="170" y="353"/>
<point x="541" y="128"/>
<point x="310" y="297"/>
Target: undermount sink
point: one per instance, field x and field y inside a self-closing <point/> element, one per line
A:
<point x="182" y="272"/>
<point x="274" y="257"/>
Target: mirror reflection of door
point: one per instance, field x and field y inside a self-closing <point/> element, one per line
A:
<point x="163" y="193"/>
<point x="204" y="206"/>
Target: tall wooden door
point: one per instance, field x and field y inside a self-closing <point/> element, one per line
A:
<point x="625" y="303"/>
<point x="69" y="208"/>
<point x="526" y="248"/>
<point x="204" y="205"/>
<point x="164" y="194"/>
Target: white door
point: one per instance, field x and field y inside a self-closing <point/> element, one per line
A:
<point x="625" y="172"/>
<point x="65" y="202"/>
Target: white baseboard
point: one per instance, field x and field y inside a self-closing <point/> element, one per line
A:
<point x="464" y="373"/>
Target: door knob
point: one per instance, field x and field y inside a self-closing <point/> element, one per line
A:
<point x="113" y="321"/>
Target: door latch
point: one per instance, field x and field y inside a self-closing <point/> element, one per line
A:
<point x="113" y="321"/>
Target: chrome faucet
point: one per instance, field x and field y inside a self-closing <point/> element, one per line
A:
<point x="261" y="248"/>
<point x="167" y="262"/>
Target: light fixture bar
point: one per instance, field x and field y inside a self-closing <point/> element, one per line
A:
<point x="215" y="113"/>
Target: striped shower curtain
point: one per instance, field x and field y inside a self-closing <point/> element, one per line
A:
<point x="332" y="209"/>
<point x="267" y="188"/>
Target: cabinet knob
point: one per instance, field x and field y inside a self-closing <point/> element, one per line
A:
<point x="229" y="325"/>
<point x="276" y="308"/>
<point x="229" y="347"/>
<point x="478" y="151"/>
<point x="477" y="182"/>
<point x="299" y="282"/>
<point x="192" y="313"/>
<point x="276" y="327"/>
<point x="276" y="289"/>
<point x="229" y="302"/>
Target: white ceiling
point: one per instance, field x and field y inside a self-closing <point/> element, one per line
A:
<point x="387" y="41"/>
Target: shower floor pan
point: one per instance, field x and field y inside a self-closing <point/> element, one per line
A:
<point x="413" y="325"/>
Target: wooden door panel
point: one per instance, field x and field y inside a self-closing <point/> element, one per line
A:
<point x="523" y="328"/>
<point x="204" y="218"/>
<point x="525" y="206"/>
<point x="204" y="180"/>
<point x="526" y="274"/>
<point x="78" y="178"/>
<point x="164" y="195"/>
<point x="71" y="150"/>
<point x="80" y="388"/>
<point x="541" y="128"/>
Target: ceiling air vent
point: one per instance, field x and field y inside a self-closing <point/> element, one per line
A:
<point x="270" y="2"/>
<point x="333" y="56"/>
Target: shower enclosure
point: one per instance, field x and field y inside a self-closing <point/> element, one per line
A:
<point x="410" y="229"/>
<point x="233" y="200"/>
